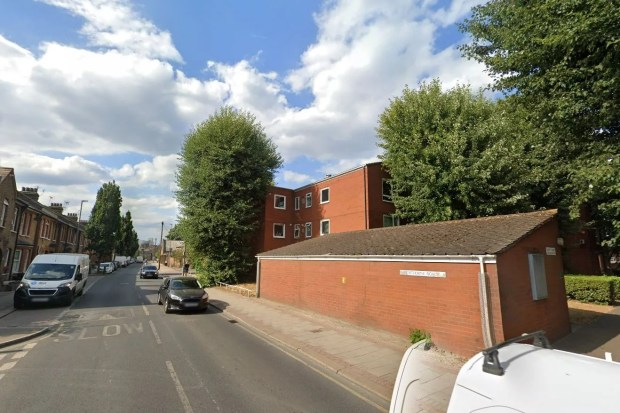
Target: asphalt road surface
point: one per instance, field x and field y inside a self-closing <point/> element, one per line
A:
<point x="114" y="350"/>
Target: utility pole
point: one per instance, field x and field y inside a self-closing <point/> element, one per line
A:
<point x="161" y="245"/>
<point x="79" y="221"/>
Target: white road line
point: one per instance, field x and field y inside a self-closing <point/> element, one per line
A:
<point x="184" y="400"/>
<point x="157" y="339"/>
<point x="1" y="376"/>
<point x="19" y="355"/>
<point x="30" y="345"/>
<point x="2" y="356"/>
<point x="146" y="310"/>
<point x="7" y="366"/>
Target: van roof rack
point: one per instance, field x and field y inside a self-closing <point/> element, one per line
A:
<point x="491" y="362"/>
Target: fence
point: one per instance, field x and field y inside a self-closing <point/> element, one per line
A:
<point x="235" y="288"/>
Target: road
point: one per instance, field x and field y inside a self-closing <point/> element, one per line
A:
<point x="114" y="350"/>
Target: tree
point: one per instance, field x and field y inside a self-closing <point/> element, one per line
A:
<point x="128" y="242"/>
<point x="453" y="155"/>
<point x="175" y="233"/>
<point x="104" y="224"/>
<point x="227" y="165"/>
<point x="559" y="60"/>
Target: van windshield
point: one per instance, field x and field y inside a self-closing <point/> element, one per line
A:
<point x="50" y="272"/>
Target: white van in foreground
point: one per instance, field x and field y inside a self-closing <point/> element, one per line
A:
<point x="515" y="377"/>
<point x="53" y="278"/>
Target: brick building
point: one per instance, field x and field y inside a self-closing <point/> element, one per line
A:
<point x="428" y="276"/>
<point x="356" y="199"/>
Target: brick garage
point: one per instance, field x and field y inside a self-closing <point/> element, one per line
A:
<point x="427" y="276"/>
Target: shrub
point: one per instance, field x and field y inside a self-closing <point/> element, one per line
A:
<point x="418" y="335"/>
<point x="592" y="288"/>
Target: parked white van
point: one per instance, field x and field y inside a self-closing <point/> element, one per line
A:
<point x="53" y="278"/>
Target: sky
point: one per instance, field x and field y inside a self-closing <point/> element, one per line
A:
<point x="95" y="91"/>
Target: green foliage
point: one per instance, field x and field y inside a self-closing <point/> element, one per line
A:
<point x="175" y="233"/>
<point x="454" y="155"/>
<point x="227" y="165"/>
<point x="558" y="61"/>
<point x="103" y="227"/>
<point x="592" y="288"/>
<point x="128" y="242"/>
<point x="417" y="335"/>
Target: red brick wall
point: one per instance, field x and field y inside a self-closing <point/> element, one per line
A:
<point x="520" y="313"/>
<point x="374" y="294"/>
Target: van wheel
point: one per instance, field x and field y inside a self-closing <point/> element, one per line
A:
<point x="82" y="290"/>
<point x="17" y="305"/>
<point x="69" y="299"/>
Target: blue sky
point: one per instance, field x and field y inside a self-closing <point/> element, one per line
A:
<point x="102" y="90"/>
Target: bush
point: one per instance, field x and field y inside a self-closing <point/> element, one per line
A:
<point x="592" y="288"/>
<point x="418" y="335"/>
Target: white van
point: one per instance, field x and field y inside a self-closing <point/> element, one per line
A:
<point x="53" y="278"/>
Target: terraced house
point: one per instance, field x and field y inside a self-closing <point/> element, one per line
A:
<point x="29" y="228"/>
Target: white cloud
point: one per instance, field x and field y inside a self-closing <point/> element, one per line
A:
<point x="294" y="179"/>
<point x="114" y="24"/>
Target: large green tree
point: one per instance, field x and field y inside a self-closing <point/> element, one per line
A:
<point x="453" y="155"/>
<point x="227" y="165"/>
<point x="104" y="225"/>
<point x="128" y="242"/>
<point x="559" y="60"/>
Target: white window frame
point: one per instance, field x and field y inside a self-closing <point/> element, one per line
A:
<point x="15" y="221"/>
<point x="324" y="190"/>
<point x="17" y="257"/>
<point x="297" y="203"/>
<point x="283" y="230"/>
<point x="5" y="209"/>
<point x="308" y="199"/>
<point x="384" y="196"/>
<point x="323" y="221"/>
<point x="538" y="277"/>
<point x="296" y="231"/>
<point x="395" y="220"/>
<point x="308" y="230"/>
<point x="275" y="201"/>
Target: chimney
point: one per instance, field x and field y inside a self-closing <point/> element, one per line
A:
<point x="72" y="216"/>
<point x="32" y="193"/>
<point x="56" y="207"/>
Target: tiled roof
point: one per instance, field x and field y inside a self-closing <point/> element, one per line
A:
<point x="477" y="236"/>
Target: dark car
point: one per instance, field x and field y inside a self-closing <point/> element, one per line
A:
<point x="149" y="271"/>
<point x="182" y="293"/>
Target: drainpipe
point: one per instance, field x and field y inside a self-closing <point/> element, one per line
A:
<point x="366" y="217"/>
<point x="484" y="304"/>
<point x="258" y="278"/>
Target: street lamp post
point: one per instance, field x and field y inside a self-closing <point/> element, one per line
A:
<point x="161" y="245"/>
<point x="79" y="246"/>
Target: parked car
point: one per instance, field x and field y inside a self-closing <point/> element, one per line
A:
<point x="105" y="267"/>
<point x="182" y="293"/>
<point x="517" y="377"/>
<point x="149" y="271"/>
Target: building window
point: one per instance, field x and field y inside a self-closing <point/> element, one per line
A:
<point x="16" y="261"/>
<point x="296" y="231"/>
<point x="5" y="211"/>
<point x="391" y="220"/>
<point x="308" y="200"/>
<point x="279" y="202"/>
<point x="324" y="226"/>
<point x="297" y="203"/>
<point x="324" y="195"/>
<point x="308" y="229"/>
<point x="278" y="230"/>
<point x="15" y="221"/>
<point x="387" y="190"/>
<point x="538" y="278"/>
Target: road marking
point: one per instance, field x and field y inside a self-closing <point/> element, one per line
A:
<point x="184" y="400"/>
<point x="7" y="366"/>
<point x="19" y="355"/>
<point x="157" y="339"/>
<point x="29" y="346"/>
<point x="146" y="310"/>
<point x="1" y="376"/>
<point x="2" y="356"/>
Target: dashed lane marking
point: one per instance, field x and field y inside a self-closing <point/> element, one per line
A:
<point x="187" y="407"/>
<point x="157" y="339"/>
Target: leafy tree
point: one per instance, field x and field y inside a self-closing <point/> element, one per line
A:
<point x="105" y="221"/>
<point x="559" y="61"/>
<point x="227" y="165"/>
<point x="175" y="233"/>
<point x="128" y="242"/>
<point x="454" y="155"/>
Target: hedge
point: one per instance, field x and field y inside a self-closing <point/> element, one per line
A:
<point x="598" y="289"/>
